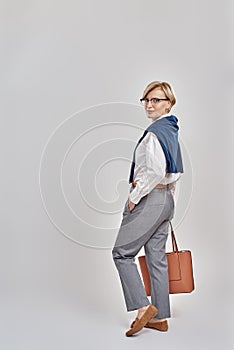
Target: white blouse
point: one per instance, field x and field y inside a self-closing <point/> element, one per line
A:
<point x="150" y="167"/>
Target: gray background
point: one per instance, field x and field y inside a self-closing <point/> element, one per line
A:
<point x="58" y="58"/>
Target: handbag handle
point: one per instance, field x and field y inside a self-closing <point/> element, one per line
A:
<point x="173" y="239"/>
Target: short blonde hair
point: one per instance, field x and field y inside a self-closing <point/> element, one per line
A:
<point x="165" y="87"/>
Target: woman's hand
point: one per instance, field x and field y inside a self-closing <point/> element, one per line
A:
<point x="131" y="205"/>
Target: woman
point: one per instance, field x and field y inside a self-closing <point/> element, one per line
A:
<point x="156" y="166"/>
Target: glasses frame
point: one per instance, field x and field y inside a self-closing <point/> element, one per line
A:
<point x="153" y="100"/>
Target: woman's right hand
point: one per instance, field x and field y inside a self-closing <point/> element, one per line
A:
<point x="131" y="205"/>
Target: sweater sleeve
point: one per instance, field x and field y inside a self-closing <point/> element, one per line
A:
<point x="153" y="168"/>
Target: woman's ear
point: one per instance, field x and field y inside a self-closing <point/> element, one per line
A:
<point x="169" y="107"/>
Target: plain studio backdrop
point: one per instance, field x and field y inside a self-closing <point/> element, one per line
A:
<point x="92" y="60"/>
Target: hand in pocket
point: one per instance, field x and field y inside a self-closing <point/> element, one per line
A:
<point x="131" y="205"/>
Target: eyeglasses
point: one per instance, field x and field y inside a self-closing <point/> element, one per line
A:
<point x="153" y="100"/>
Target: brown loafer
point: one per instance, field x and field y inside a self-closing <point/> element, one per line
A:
<point x="137" y="319"/>
<point x="160" y="326"/>
<point x="139" y="323"/>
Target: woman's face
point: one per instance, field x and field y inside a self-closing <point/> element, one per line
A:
<point x="155" y="110"/>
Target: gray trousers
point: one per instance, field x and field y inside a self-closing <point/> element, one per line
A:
<point x="146" y="225"/>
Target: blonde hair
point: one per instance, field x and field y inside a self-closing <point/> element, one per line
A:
<point x="165" y="87"/>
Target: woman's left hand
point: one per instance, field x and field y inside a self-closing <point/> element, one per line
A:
<point x="131" y="205"/>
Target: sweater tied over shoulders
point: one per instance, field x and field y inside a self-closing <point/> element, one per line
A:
<point x="166" y="130"/>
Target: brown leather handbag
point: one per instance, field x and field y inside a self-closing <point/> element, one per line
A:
<point x="180" y="270"/>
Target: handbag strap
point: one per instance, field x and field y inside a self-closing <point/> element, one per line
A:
<point x="173" y="239"/>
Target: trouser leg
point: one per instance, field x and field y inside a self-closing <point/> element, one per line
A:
<point x="136" y="229"/>
<point x="158" y="269"/>
<point x="133" y="289"/>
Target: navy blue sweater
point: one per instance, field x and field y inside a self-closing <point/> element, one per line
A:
<point x="166" y="129"/>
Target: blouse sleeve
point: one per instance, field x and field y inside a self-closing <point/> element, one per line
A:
<point x="153" y="169"/>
